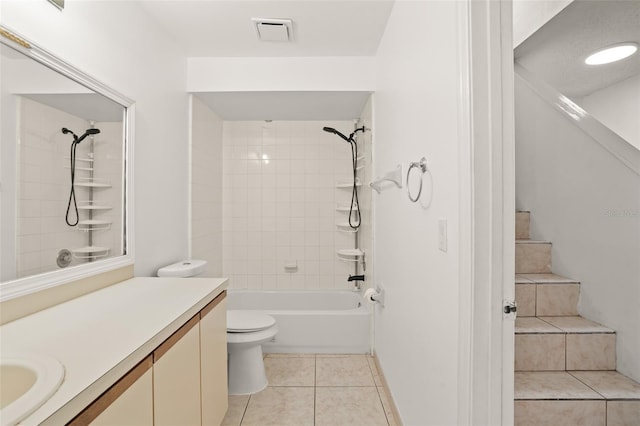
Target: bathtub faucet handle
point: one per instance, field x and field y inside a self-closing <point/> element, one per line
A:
<point x="355" y="278"/>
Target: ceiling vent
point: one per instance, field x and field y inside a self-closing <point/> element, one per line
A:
<point x="273" y="29"/>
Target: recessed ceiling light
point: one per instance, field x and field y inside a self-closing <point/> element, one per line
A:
<point x="611" y="54"/>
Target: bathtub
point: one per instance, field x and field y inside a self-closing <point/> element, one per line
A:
<point x="310" y="321"/>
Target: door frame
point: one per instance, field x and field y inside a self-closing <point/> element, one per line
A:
<point x="487" y="213"/>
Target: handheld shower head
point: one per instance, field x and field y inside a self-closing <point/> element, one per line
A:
<point x="335" y="132"/>
<point x="89" y="132"/>
<point x="77" y="139"/>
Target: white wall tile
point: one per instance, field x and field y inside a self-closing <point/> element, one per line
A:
<point x="280" y="178"/>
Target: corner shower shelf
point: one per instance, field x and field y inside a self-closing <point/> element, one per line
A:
<point x="93" y="183"/>
<point x="90" y="252"/>
<point x="93" y="225"/>
<point x="345" y="209"/>
<point x="350" y="255"/>
<point x="93" y="205"/>
<point x="84" y="169"/>
<point x="345" y="227"/>
<point x="348" y="184"/>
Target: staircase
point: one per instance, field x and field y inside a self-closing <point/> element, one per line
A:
<point x="565" y="364"/>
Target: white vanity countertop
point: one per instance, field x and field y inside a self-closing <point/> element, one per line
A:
<point x="100" y="336"/>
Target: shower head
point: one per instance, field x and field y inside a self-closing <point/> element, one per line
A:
<point x="335" y="132"/>
<point x="77" y="139"/>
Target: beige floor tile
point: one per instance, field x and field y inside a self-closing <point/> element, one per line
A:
<point x="538" y="352"/>
<point x="557" y="299"/>
<point x="526" y="299"/>
<point x="280" y="406"/>
<point x="555" y="413"/>
<point x="551" y="385"/>
<point x="237" y="405"/>
<point x="610" y="384"/>
<point x="576" y="324"/>
<point x="343" y="371"/>
<point x="591" y="351"/>
<point x="349" y="407"/>
<point x="279" y="355"/>
<point x="623" y="413"/>
<point x="290" y="371"/>
<point x="534" y="325"/>
<point x="341" y="356"/>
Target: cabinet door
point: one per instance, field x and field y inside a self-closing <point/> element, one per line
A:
<point x="176" y="377"/>
<point x="128" y="402"/>
<point x="213" y="358"/>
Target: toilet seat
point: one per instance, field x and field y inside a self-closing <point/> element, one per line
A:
<point x="242" y="321"/>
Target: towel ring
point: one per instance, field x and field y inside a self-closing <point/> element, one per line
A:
<point x="422" y="166"/>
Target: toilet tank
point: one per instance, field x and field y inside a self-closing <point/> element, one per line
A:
<point x="183" y="269"/>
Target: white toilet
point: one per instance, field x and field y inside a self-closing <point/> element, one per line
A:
<point x="246" y="332"/>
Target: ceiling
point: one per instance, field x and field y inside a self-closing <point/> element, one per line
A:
<point x="328" y="106"/>
<point x="211" y="28"/>
<point x="223" y="28"/>
<point x="556" y="52"/>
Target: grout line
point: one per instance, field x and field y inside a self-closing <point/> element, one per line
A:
<point x="244" y="412"/>
<point x="587" y="385"/>
<point x="382" y="403"/>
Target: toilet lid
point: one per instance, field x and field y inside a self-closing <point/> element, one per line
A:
<point x="248" y="321"/>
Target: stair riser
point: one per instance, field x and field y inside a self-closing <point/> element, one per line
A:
<point x="621" y="413"/>
<point x="533" y="258"/>
<point x="522" y="225"/>
<point x="554" y="413"/>
<point x="559" y="351"/>
<point x="547" y="300"/>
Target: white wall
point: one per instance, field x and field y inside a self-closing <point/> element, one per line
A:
<point x="416" y="114"/>
<point x="530" y="15"/>
<point x="280" y="201"/>
<point x="617" y="107"/>
<point x="287" y="74"/>
<point x="587" y="204"/>
<point x="206" y="187"/>
<point x="119" y="45"/>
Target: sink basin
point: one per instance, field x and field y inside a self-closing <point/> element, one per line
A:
<point x="26" y="382"/>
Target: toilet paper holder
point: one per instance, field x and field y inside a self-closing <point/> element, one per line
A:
<point x="374" y="295"/>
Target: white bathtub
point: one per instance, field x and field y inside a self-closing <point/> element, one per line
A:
<point x="310" y="321"/>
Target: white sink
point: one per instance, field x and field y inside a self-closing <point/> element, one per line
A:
<point x="26" y="382"/>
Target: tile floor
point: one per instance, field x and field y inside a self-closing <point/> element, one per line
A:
<point x="308" y="389"/>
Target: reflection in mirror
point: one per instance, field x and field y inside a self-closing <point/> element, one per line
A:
<point x="556" y="54"/>
<point x="62" y="192"/>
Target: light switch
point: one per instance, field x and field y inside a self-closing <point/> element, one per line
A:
<point x="442" y="234"/>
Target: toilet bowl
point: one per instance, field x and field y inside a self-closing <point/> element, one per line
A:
<point x="246" y="332"/>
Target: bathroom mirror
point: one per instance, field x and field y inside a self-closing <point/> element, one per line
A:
<point x="64" y="172"/>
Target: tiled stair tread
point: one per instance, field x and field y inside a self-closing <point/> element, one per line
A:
<point x="576" y="324"/>
<point x="610" y="384"/>
<point x="551" y="385"/>
<point x="534" y="325"/>
<point x="521" y="279"/>
<point x="575" y="385"/>
<point x="532" y="242"/>
<point x="544" y="279"/>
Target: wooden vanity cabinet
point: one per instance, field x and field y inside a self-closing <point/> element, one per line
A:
<point x="213" y="361"/>
<point x="128" y="402"/>
<point x="182" y="382"/>
<point x="176" y="377"/>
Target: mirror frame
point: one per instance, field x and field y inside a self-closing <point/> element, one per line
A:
<point x="32" y="284"/>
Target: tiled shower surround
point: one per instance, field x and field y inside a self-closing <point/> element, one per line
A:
<point x="44" y="184"/>
<point x="279" y="204"/>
